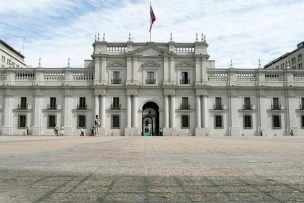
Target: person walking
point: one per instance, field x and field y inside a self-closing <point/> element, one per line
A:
<point x="61" y="130"/>
<point x="56" y="130"/>
<point x="82" y="131"/>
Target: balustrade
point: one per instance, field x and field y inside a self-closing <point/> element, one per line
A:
<point x="53" y="76"/>
<point x="274" y="77"/>
<point x="25" y="76"/>
<point x="83" y="76"/>
<point x="117" y="49"/>
<point x="185" y="49"/>
<point x="246" y="77"/>
<point x="2" y="76"/>
<point x="217" y="76"/>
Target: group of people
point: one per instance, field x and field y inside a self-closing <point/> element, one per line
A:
<point x="59" y="131"/>
<point x="94" y="129"/>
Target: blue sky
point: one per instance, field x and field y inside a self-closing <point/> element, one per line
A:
<point x="241" y="30"/>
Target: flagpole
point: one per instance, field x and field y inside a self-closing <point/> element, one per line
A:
<point x="150" y="21"/>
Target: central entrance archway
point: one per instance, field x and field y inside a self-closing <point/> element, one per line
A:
<point x="150" y="119"/>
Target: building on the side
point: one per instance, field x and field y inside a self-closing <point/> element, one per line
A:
<point x="294" y="58"/>
<point x="152" y="88"/>
<point x="9" y="57"/>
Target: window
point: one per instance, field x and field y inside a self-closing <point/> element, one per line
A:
<point x="300" y="66"/>
<point x="218" y="121"/>
<point x="247" y="104"/>
<point x="115" y="121"/>
<point x="300" y="57"/>
<point x="282" y="66"/>
<point x="115" y="104"/>
<point x="82" y="103"/>
<point x="116" y="77"/>
<point x="53" y="104"/>
<point x="8" y="61"/>
<point x="81" y="121"/>
<point x="22" y="121"/>
<point x="277" y="67"/>
<point x="293" y="60"/>
<point x="276" y="104"/>
<point x="218" y="103"/>
<point x="17" y="66"/>
<point x="276" y="121"/>
<point x="302" y="103"/>
<point x="302" y="121"/>
<point x="185" y="121"/>
<point x="51" y="121"/>
<point x="185" y="78"/>
<point x="3" y="59"/>
<point x="23" y="104"/>
<point x="185" y="104"/>
<point x="150" y="78"/>
<point x="247" y="120"/>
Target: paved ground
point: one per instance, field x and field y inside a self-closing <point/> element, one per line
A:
<point x="151" y="169"/>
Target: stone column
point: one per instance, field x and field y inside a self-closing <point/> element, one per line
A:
<point x="197" y="70"/>
<point x="67" y="112"/>
<point x="205" y="114"/>
<point x="128" y="111"/>
<point x="103" y="111"/>
<point x="96" y="105"/>
<point x="172" y="116"/>
<point x="166" y="112"/>
<point x="134" y="112"/>
<point x="37" y="113"/>
<point x="8" y="114"/>
<point x="198" y="112"/>
<point x="103" y="69"/>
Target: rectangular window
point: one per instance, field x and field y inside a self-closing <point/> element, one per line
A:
<point x="247" y="120"/>
<point x="51" y="121"/>
<point x="300" y="57"/>
<point x="116" y="77"/>
<point x="185" y="121"/>
<point x="275" y="104"/>
<point x="22" y="121"/>
<point x="302" y="121"/>
<point x="300" y="66"/>
<point x="185" y="78"/>
<point x="282" y="66"/>
<point x="247" y="103"/>
<point x="116" y="104"/>
<point x="115" y="121"/>
<point x="82" y="103"/>
<point x="277" y="67"/>
<point x="185" y="104"/>
<point x="23" y="104"/>
<point x="150" y="78"/>
<point x="293" y="60"/>
<point x="218" y="121"/>
<point x="218" y="103"/>
<point x="81" y="121"/>
<point x="53" y="104"/>
<point x="3" y="59"/>
<point x="276" y="121"/>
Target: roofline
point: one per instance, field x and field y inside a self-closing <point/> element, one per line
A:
<point x="283" y="56"/>
<point x="11" y="48"/>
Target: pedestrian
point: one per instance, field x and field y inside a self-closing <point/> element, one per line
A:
<point x="291" y="133"/>
<point x="82" y="131"/>
<point x="27" y="130"/>
<point x="56" y="130"/>
<point x="61" y="130"/>
<point x="93" y="131"/>
<point x="261" y="132"/>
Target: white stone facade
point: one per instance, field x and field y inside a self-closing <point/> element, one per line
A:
<point x="152" y="89"/>
<point x="9" y="57"/>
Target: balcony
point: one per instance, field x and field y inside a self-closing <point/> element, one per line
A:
<point x="184" y="81"/>
<point x="218" y="107"/>
<point x="150" y="81"/>
<point x="22" y="107"/>
<point x="52" y="107"/>
<point x="184" y="107"/>
<point x="276" y="107"/>
<point x="247" y="107"/>
<point x="115" y="106"/>
<point x="82" y="107"/>
<point x="116" y="81"/>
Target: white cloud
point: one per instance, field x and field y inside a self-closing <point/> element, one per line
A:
<point x="240" y="30"/>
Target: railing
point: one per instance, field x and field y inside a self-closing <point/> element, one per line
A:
<point x="217" y="75"/>
<point x="83" y="76"/>
<point x="246" y="77"/>
<point x="117" y="49"/>
<point x="82" y="107"/>
<point x="53" y="76"/>
<point x="298" y="77"/>
<point x="184" y="81"/>
<point x="184" y="49"/>
<point x="150" y="81"/>
<point x="184" y="107"/>
<point x="276" y="107"/>
<point x="218" y="107"/>
<point x="116" y="81"/>
<point x="25" y="76"/>
<point x="247" y="107"/>
<point x="52" y="107"/>
<point x="3" y="76"/>
<point x="274" y="77"/>
<point x="22" y="107"/>
<point x="115" y="107"/>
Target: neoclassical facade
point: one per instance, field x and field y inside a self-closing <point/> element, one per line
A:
<point x="169" y="89"/>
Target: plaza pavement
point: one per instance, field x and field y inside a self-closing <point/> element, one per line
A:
<point x="151" y="169"/>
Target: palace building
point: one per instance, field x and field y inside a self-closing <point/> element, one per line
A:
<point x="169" y="89"/>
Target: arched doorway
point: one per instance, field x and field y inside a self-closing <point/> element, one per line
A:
<point x="150" y="119"/>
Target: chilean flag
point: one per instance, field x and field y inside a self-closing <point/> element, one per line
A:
<point x="152" y="18"/>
